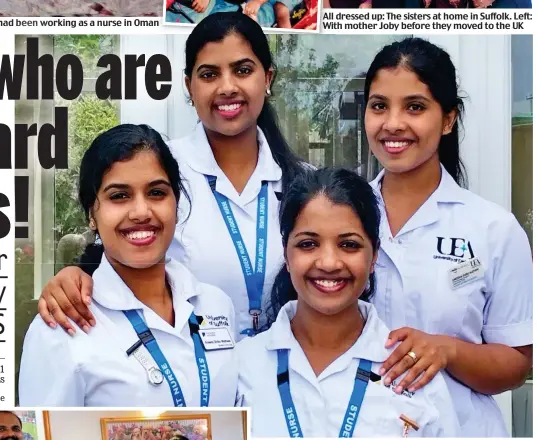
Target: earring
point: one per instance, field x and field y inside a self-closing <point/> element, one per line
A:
<point x="190" y="102"/>
<point x="268" y="91"/>
<point x="92" y="224"/>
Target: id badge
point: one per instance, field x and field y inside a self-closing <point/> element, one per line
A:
<point x="216" y="339"/>
<point x="465" y="273"/>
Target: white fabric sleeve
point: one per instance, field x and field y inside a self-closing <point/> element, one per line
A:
<point x="446" y="423"/>
<point x="48" y="375"/>
<point x="508" y="310"/>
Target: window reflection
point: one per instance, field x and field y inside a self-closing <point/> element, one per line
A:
<point x="319" y="96"/>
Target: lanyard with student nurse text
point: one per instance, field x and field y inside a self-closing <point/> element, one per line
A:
<point x="254" y="276"/>
<point x="355" y="401"/>
<point x="149" y="341"/>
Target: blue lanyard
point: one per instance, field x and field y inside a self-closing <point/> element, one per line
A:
<point x="353" y="408"/>
<point x="149" y="341"/>
<point x="254" y="277"/>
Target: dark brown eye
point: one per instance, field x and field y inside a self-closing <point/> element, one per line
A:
<point x="306" y="244"/>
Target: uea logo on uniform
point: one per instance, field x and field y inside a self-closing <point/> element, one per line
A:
<point x="215" y="321"/>
<point x="454" y="249"/>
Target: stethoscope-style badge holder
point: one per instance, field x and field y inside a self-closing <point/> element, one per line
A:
<point x="155" y="376"/>
<point x="138" y="351"/>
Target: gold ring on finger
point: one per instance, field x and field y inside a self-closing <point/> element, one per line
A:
<point x="413" y="356"/>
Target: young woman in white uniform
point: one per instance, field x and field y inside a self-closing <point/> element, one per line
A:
<point x="235" y="161"/>
<point x="454" y="270"/>
<point x="163" y="338"/>
<point x="315" y="372"/>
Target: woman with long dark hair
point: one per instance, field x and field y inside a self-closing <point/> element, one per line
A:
<point x="454" y="270"/>
<point x="153" y="345"/>
<point x="315" y="372"/>
<point x="236" y="162"/>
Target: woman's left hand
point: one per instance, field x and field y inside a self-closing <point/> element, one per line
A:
<point x="433" y="353"/>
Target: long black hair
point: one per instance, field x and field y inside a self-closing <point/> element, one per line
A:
<point x="341" y="187"/>
<point x="119" y="144"/>
<point x="215" y="28"/>
<point x="434" y="68"/>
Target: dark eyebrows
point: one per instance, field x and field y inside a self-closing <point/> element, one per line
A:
<point x="232" y="64"/>
<point x="159" y="182"/>
<point x="351" y="234"/>
<point x="125" y="186"/>
<point x="344" y="235"/>
<point x="242" y="61"/>
<point x="207" y="66"/>
<point x="116" y="186"/>
<point x="407" y="98"/>
<point x="308" y="234"/>
<point x="377" y="96"/>
<point x="417" y="97"/>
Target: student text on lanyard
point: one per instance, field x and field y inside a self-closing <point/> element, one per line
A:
<point x="355" y="401"/>
<point x="149" y="341"/>
<point x="254" y="276"/>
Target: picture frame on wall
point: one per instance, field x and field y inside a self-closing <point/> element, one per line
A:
<point x="30" y="430"/>
<point x="177" y="427"/>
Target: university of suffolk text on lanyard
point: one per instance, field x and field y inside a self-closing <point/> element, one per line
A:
<point x="164" y="368"/>
<point x="254" y="276"/>
<point x="355" y="401"/>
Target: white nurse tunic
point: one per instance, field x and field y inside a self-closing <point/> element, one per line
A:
<point x="321" y="402"/>
<point x="94" y="369"/>
<point x="414" y="288"/>
<point x="202" y="242"/>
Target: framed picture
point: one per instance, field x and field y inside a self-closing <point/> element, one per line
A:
<point x="29" y="425"/>
<point x="179" y="427"/>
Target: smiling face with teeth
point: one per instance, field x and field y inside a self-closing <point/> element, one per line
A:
<point x="228" y="85"/>
<point x="329" y="257"/>
<point x="135" y="212"/>
<point x="403" y="122"/>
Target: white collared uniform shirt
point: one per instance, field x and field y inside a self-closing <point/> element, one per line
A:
<point x="321" y="402"/>
<point x="94" y="369"/>
<point x="414" y="287"/>
<point x="202" y="242"/>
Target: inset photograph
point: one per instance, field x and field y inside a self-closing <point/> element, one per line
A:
<point x="284" y="14"/>
<point x="80" y="8"/>
<point x="430" y="4"/>
<point x="21" y="425"/>
<point x="152" y="424"/>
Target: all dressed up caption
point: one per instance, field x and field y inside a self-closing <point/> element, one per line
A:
<point x="344" y="21"/>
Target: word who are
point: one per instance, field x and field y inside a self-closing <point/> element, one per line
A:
<point x="117" y="81"/>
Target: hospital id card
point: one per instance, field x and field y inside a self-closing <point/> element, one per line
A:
<point x="465" y="273"/>
<point x="216" y="339"/>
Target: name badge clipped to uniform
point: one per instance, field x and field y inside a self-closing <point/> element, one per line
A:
<point x="216" y="339"/>
<point x="465" y="273"/>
